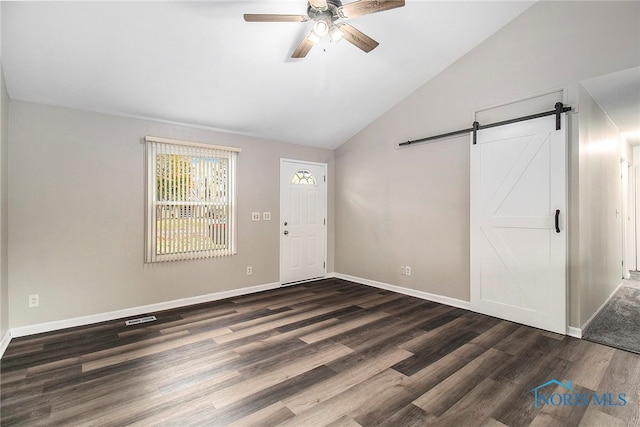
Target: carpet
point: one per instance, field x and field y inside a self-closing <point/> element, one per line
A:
<point x="618" y="323"/>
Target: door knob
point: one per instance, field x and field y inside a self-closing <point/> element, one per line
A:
<point x="285" y="223"/>
<point x="286" y="232"/>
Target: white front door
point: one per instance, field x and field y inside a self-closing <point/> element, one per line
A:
<point x="518" y="223"/>
<point x="303" y="201"/>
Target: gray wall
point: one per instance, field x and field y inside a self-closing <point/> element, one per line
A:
<point x="600" y="200"/>
<point x="411" y="206"/>
<point x="76" y="209"/>
<point x="4" y="192"/>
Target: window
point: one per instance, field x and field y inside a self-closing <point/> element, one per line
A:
<point x="190" y="200"/>
<point x="303" y="177"/>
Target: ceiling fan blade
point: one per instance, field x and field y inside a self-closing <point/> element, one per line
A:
<point x="358" y="38"/>
<point x="260" y="17"/>
<point x="364" y="7"/>
<point x="303" y="48"/>
<point x="319" y="4"/>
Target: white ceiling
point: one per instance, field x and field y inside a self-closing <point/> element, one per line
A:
<point x="200" y="64"/>
<point x="619" y="96"/>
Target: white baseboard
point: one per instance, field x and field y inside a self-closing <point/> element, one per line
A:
<point x="136" y="311"/>
<point x="151" y="308"/>
<point x="572" y="331"/>
<point x="4" y="343"/>
<point x="406" y="291"/>
<point x="593" y="316"/>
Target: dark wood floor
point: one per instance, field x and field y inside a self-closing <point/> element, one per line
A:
<point x="324" y="353"/>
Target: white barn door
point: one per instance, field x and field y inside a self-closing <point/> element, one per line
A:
<point x="303" y="195"/>
<point x="518" y="223"/>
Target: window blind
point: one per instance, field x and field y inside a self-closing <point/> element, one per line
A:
<point x="191" y="207"/>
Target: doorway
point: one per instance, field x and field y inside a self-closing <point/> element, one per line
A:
<point x="303" y="223"/>
<point x="614" y="313"/>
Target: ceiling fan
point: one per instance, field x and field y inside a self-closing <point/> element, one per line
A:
<point x="327" y="16"/>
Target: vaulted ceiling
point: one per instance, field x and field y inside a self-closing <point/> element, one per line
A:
<point x="200" y="64"/>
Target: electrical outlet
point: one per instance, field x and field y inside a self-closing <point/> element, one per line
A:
<point x="249" y="271"/>
<point x="34" y="300"/>
<point x="266" y="216"/>
<point x="407" y="270"/>
<point x="255" y="216"/>
<point x="403" y="270"/>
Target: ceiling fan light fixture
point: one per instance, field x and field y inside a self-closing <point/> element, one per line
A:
<point x="313" y="38"/>
<point x="335" y="33"/>
<point x="321" y="28"/>
<point x="324" y="14"/>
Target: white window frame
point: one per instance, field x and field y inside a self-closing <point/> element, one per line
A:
<point x="174" y="146"/>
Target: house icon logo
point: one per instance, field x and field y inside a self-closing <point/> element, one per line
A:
<point x="570" y="397"/>
<point x="536" y="391"/>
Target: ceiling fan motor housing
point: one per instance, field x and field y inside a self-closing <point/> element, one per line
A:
<point x="330" y="13"/>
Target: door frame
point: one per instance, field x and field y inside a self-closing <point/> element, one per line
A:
<point x="281" y="219"/>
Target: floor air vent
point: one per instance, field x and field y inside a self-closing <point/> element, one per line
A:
<point x="140" y="320"/>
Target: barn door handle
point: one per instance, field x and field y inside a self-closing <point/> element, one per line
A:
<point x="557" y="220"/>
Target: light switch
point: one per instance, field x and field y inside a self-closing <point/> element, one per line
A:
<point x="255" y="216"/>
<point x="266" y="216"/>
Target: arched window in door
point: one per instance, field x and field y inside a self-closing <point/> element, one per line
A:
<point x="303" y="177"/>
